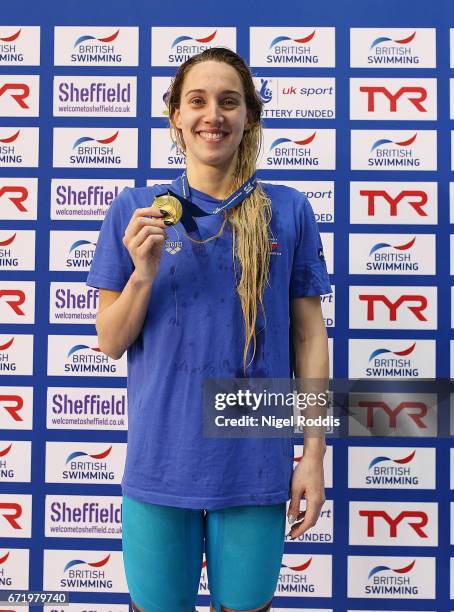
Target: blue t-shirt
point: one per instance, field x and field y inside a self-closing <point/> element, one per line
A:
<point x="193" y="330"/>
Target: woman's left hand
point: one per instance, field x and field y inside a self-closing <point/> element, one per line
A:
<point x="307" y="482"/>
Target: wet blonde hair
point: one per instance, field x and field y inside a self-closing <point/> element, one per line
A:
<point x="250" y="220"/>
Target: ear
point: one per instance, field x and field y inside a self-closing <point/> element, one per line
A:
<point x="176" y="119"/>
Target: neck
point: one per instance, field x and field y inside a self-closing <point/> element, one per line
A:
<point x="213" y="180"/>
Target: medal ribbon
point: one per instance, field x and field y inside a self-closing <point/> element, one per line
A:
<point x="191" y="210"/>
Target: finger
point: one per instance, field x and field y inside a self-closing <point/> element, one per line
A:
<point x="312" y="513"/>
<point x="149" y="243"/>
<point x="139" y="224"/>
<point x="294" y="507"/>
<point x="149" y="211"/>
<point x="144" y="233"/>
<point x="296" y="518"/>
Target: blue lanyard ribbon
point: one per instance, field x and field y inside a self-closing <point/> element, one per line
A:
<point x="192" y="210"/>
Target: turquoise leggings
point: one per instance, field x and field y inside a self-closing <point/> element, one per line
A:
<point x="163" y="549"/>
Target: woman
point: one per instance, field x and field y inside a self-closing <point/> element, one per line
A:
<point x="214" y="302"/>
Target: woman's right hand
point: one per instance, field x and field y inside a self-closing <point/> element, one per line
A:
<point x="144" y="238"/>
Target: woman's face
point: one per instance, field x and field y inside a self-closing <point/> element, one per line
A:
<point x="212" y="114"/>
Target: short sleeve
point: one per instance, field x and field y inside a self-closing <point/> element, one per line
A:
<point x="112" y="265"/>
<point x="309" y="275"/>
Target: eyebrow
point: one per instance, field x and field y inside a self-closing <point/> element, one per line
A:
<point x="226" y="91"/>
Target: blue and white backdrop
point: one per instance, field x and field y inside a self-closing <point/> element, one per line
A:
<point x="359" y="111"/>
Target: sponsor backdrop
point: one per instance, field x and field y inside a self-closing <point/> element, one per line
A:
<point x="359" y="110"/>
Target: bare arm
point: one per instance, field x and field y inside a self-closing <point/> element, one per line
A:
<point x="121" y="314"/>
<point x="310" y="344"/>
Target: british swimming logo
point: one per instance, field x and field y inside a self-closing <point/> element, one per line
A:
<point x="391" y="358"/>
<point x="105" y="148"/>
<point x="391" y="468"/>
<point x="97" y="46"/>
<point x="376" y="254"/>
<point x="19" y="45"/>
<point x="84" y="571"/>
<point x="303" y="574"/>
<point x="298" y="149"/>
<point x="80" y="355"/>
<point x="74" y="462"/>
<point x="19" y="146"/>
<point x="391" y="577"/>
<point x="173" y="46"/>
<point x="311" y="47"/>
<point x="392" y="48"/>
<point x="396" y="150"/>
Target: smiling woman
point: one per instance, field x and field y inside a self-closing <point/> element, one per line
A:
<point x="215" y="306"/>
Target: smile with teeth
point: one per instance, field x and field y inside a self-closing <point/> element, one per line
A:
<point x="212" y="136"/>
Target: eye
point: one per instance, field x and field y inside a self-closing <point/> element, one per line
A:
<point x="196" y="101"/>
<point x="230" y="102"/>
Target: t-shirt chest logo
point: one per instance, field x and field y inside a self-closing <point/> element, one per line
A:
<point x="275" y="248"/>
<point x="173" y="246"/>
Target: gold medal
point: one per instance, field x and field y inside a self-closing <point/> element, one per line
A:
<point x="170" y="208"/>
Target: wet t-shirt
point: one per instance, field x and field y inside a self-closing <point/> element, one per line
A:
<point x="194" y="329"/>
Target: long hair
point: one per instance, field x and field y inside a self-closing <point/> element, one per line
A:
<point x="250" y="220"/>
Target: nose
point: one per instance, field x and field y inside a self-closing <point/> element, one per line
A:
<point x="214" y="113"/>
